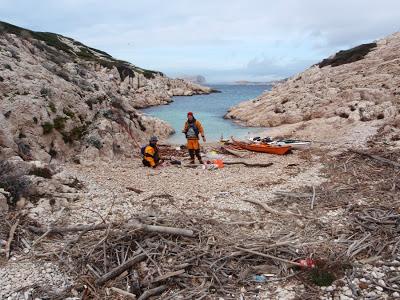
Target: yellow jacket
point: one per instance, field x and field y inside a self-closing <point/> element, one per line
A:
<point x="198" y="126"/>
<point x="151" y="155"/>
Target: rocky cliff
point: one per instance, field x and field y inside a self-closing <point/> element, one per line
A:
<point x="357" y="85"/>
<point x="61" y="99"/>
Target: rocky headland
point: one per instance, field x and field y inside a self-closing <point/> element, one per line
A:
<point x="351" y="87"/>
<point x="61" y="99"/>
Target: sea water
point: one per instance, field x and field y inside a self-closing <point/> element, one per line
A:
<point x="209" y="110"/>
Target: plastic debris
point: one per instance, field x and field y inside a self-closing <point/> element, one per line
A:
<point x="214" y="155"/>
<point x="218" y="163"/>
<point x="307" y="263"/>
<point x="259" y="278"/>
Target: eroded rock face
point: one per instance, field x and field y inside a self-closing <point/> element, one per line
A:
<point x="61" y="99"/>
<point x="37" y="187"/>
<point x="361" y="86"/>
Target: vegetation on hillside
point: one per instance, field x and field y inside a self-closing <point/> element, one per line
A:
<point x="86" y="53"/>
<point x="348" y="56"/>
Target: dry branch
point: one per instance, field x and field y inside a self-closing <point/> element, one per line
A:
<point x="103" y="226"/>
<point x="10" y="238"/>
<point x="378" y="158"/>
<point x="291" y="194"/>
<point x="271" y="210"/>
<point x="257" y="165"/>
<point x="156" y="291"/>
<point x="168" y="275"/>
<point x="237" y="153"/>
<point x="120" y="269"/>
<point x="132" y="189"/>
<point x="123" y="293"/>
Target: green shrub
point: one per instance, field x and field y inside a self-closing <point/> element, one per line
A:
<point x="44" y="92"/>
<point x="41" y="172"/>
<point x="52" y="107"/>
<point x="7" y="66"/>
<point x="95" y="142"/>
<point x="69" y="113"/>
<point x="85" y="54"/>
<point x="117" y="103"/>
<point x="76" y="134"/>
<point x="321" y="277"/>
<point x="47" y="127"/>
<point x="348" y="56"/>
<point x="53" y="153"/>
<point x="59" y="123"/>
<point x="148" y="74"/>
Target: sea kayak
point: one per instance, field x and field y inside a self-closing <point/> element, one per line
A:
<point x="264" y="148"/>
<point x="295" y="144"/>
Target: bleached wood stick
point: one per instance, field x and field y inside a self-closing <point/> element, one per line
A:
<point x="10" y="238"/>
<point x="123" y="293"/>
<point x="103" y="226"/>
<point x="313" y="198"/>
<point x="271" y="210"/>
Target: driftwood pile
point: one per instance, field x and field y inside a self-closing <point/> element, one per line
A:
<point x="376" y="231"/>
<point x="172" y="259"/>
<point x="187" y="258"/>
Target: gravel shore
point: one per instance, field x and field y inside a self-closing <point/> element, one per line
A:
<point x="118" y="191"/>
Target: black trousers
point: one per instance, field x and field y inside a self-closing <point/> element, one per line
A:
<point x="147" y="164"/>
<point x="196" y="152"/>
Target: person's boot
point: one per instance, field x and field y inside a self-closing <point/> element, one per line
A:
<point x="191" y="154"/>
<point x="199" y="156"/>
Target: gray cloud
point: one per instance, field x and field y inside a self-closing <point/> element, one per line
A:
<point x="249" y="38"/>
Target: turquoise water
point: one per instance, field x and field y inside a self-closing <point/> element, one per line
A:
<point x="209" y="110"/>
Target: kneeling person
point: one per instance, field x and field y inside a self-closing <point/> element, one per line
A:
<point x="151" y="157"/>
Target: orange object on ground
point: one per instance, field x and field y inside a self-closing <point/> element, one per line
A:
<point x="265" y="148"/>
<point x="218" y="163"/>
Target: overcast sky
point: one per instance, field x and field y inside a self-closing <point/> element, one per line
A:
<point x="224" y="40"/>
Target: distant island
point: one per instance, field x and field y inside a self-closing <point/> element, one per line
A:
<point x="199" y="79"/>
<point x="245" y="82"/>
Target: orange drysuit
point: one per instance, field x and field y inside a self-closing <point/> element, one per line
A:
<point x="193" y="138"/>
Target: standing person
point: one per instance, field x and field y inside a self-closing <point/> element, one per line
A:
<point x="151" y="157"/>
<point x="192" y="130"/>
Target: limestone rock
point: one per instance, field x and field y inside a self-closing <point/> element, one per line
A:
<point x="363" y="90"/>
<point x="61" y="99"/>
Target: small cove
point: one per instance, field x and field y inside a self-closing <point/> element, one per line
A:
<point x="209" y="110"/>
